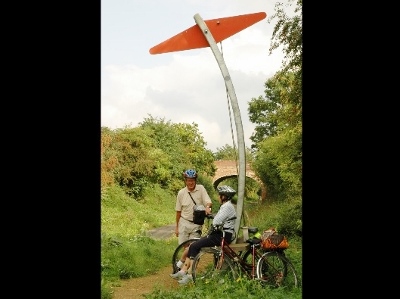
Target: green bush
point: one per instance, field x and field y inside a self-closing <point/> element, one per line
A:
<point x="289" y="219"/>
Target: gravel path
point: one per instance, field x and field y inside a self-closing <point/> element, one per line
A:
<point x="163" y="232"/>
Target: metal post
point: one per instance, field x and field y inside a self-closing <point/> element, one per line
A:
<point x="236" y="112"/>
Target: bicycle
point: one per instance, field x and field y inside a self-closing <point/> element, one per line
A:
<point x="181" y="247"/>
<point x="270" y="267"/>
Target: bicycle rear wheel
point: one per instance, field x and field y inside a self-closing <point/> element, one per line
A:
<point x="275" y="270"/>
<point x="176" y="256"/>
<point x="208" y="265"/>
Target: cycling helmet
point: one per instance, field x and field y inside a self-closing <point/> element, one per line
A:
<point x="226" y="190"/>
<point x="190" y="174"/>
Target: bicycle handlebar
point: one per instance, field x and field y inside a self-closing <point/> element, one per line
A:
<point x="210" y="216"/>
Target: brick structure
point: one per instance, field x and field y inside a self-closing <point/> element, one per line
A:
<point x="228" y="169"/>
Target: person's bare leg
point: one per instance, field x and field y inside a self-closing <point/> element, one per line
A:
<point x="183" y="257"/>
<point x="182" y="272"/>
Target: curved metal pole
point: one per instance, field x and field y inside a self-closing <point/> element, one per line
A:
<point x="236" y="113"/>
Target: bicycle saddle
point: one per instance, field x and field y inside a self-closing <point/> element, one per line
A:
<point x="253" y="241"/>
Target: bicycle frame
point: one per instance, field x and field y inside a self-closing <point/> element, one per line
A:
<point x="229" y="250"/>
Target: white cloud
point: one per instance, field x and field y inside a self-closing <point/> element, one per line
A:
<point x="184" y="86"/>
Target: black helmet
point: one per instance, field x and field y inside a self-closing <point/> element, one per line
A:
<point x="190" y="174"/>
<point x="226" y="190"/>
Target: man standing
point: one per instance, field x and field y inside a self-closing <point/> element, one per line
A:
<point x="185" y="201"/>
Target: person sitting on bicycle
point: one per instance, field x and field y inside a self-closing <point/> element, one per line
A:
<point x="225" y="216"/>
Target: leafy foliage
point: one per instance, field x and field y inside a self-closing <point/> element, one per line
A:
<point x="248" y="289"/>
<point x="279" y="164"/>
<point x="278" y="117"/>
<point x="286" y="218"/>
<point x="156" y="152"/>
<point x="288" y="33"/>
<point x="228" y="152"/>
<point x="126" y="159"/>
<point x="183" y="142"/>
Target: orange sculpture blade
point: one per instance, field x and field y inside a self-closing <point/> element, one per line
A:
<point x="221" y="29"/>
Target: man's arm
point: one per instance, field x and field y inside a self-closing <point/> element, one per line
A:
<point x="178" y="216"/>
<point x="207" y="200"/>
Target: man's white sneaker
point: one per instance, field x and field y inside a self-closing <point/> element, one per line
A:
<point x="177" y="275"/>
<point x="186" y="279"/>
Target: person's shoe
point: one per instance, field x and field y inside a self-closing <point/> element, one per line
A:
<point x="186" y="279"/>
<point x="177" y="275"/>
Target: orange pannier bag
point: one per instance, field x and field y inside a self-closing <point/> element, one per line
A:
<point x="272" y="240"/>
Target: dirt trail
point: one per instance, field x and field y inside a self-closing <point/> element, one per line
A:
<point x="134" y="288"/>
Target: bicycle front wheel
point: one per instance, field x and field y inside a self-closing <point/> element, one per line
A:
<point x="275" y="270"/>
<point x="176" y="256"/>
<point x="209" y="265"/>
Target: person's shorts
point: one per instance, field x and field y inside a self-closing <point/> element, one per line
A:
<point x="188" y="230"/>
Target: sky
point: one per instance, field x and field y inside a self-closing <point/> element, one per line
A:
<point x="183" y="86"/>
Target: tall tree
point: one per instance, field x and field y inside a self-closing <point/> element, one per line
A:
<point x="278" y="116"/>
<point x="183" y="143"/>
